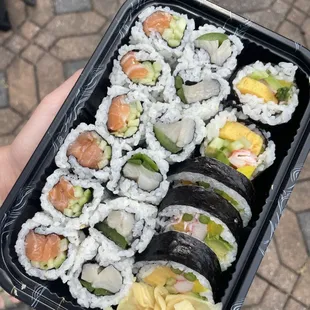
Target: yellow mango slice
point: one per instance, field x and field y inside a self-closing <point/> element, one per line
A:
<point x="247" y="171"/>
<point x="159" y="276"/>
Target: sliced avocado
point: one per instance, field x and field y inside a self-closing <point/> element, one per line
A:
<point x="77" y="208"/>
<point x="88" y="194"/>
<point x="68" y="212"/>
<point x="165" y="141"/>
<point x="167" y="34"/>
<point x="146" y="159"/>
<point x="44" y="266"/>
<point x="112" y="234"/>
<point x="214" y="229"/>
<point x="259" y="75"/>
<point x="181" y="24"/>
<point x="219" y="246"/>
<point x="87" y="285"/>
<point x="227" y="197"/>
<point x="157" y="68"/>
<point x="78" y="192"/>
<point x="82" y="201"/>
<point x="101" y="292"/>
<point x="108" y="152"/>
<point x="214" y="36"/>
<point x="174" y="42"/>
<point x="59" y="260"/>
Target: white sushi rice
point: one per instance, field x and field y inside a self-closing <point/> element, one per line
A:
<point x="243" y="207"/>
<point x="200" y="58"/>
<point x="269" y="113"/>
<point x="144" y="52"/>
<point x="170" y="116"/>
<point x="207" y="108"/>
<point x="122" y="186"/>
<point x="155" y="39"/>
<point x="145" y="268"/>
<point x="164" y="219"/>
<point x="264" y="160"/>
<point x="43" y="224"/>
<point x="87" y="252"/>
<point x="65" y="162"/>
<point x="102" y="115"/>
<point x="142" y="233"/>
<point x="59" y="218"/>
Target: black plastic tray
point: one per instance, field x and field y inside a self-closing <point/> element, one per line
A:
<point x="273" y="186"/>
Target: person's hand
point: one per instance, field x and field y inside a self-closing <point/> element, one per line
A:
<point x="14" y="157"/>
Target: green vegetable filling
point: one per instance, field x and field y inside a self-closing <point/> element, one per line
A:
<point x="146" y="161"/>
<point x="178" y="82"/>
<point x="154" y="72"/>
<point x="95" y="291"/>
<point x="174" y="34"/>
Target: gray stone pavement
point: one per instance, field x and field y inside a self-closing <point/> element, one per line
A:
<point x="51" y="41"/>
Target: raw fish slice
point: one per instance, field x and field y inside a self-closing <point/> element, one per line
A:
<point x="118" y="113"/>
<point x="52" y="247"/>
<point x="158" y="21"/>
<point x="34" y="244"/>
<point x="133" y="68"/>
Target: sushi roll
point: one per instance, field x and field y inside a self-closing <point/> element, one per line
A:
<point x="225" y="181"/>
<point x="240" y="145"/>
<point x="205" y="216"/>
<point x="140" y="67"/>
<point x="122" y="227"/>
<point x="211" y="49"/>
<point x="122" y="114"/>
<point x="165" y="29"/>
<point x="267" y="93"/>
<point x="176" y="136"/>
<point x="199" y="93"/>
<point x="182" y="265"/>
<point x="70" y="200"/>
<point x="46" y="251"/>
<point x="97" y="285"/>
<point x="87" y="151"/>
<point x="140" y="175"/>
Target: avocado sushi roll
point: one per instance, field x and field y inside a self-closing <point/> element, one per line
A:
<point x="165" y="29"/>
<point x="140" y="67"/>
<point x="140" y="175"/>
<point x="97" y="285"/>
<point x="267" y="93"/>
<point x="46" y="251"/>
<point x="199" y="93"/>
<point x="203" y="215"/>
<point x="87" y="151"/>
<point x="122" y="227"/>
<point x="225" y="181"/>
<point x="175" y="135"/>
<point x="244" y="147"/>
<point x="70" y="200"/>
<point x="181" y="264"/>
<point x="122" y="114"/>
<point x="212" y="49"/>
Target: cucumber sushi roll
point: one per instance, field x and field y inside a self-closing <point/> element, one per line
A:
<point x="244" y="147"/>
<point x="97" y="285"/>
<point x="199" y="93"/>
<point x="46" y="251"/>
<point x="176" y="136"/>
<point x="70" y="200"/>
<point x="123" y="115"/>
<point x="165" y="29"/>
<point x="140" y="67"/>
<point x="225" y="181"/>
<point x="182" y="265"/>
<point x="267" y="93"/>
<point x="213" y="50"/>
<point x="140" y="175"/>
<point x="122" y="227"/>
<point x="205" y="216"/>
<point x="87" y="151"/>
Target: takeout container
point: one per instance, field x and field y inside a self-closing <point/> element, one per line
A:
<point x="273" y="186"/>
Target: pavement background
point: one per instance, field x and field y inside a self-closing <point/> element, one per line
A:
<point x="51" y="41"/>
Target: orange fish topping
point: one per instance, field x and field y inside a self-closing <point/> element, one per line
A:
<point x="86" y="150"/>
<point x="118" y="113"/>
<point x="132" y="67"/>
<point x="158" y="21"/>
<point x="60" y="194"/>
<point x="40" y="248"/>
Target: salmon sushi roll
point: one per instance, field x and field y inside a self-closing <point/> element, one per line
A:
<point x="99" y="285"/>
<point x="87" y="151"/>
<point x="70" y="200"/>
<point x="122" y="114"/>
<point x="46" y="251"/>
<point x="140" y="67"/>
<point x="165" y="29"/>
<point x="122" y="227"/>
<point x="172" y="133"/>
<point x="140" y="175"/>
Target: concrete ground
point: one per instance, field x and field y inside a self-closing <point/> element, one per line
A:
<point x="52" y="40"/>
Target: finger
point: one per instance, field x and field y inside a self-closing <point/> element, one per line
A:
<point x="30" y="136"/>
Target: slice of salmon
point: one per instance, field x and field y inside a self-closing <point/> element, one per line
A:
<point x="86" y="150"/>
<point x="158" y="22"/>
<point x="52" y="247"/>
<point x="118" y="113"/>
<point x="34" y="246"/>
<point x="132" y="67"/>
<point x="60" y="194"/>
